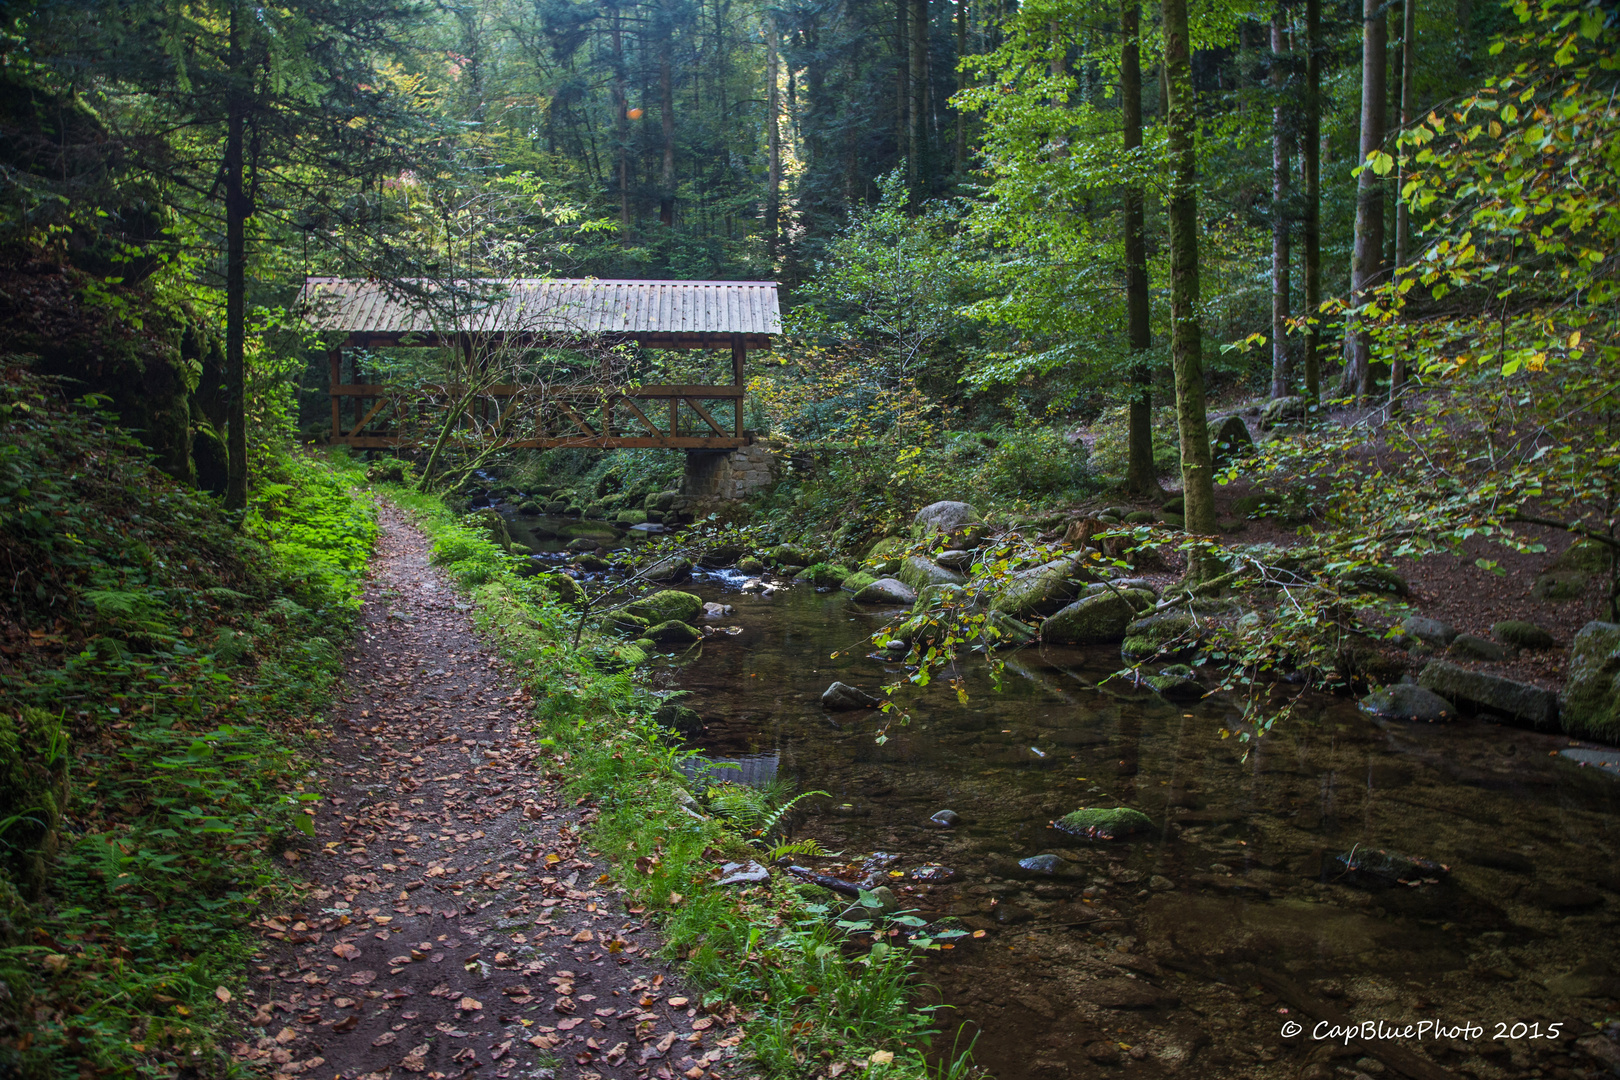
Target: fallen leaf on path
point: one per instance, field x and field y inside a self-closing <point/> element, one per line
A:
<point x="345" y="951"/>
<point x="223" y="994"/>
<point x="385" y="1038"/>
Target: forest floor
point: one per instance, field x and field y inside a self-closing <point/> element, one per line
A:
<point x="454" y="918"/>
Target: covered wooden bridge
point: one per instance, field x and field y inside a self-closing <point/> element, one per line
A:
<point x="493" y="393"/>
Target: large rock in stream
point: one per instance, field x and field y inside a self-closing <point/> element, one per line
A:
<point x="920" y="573"/>
<point x="667" y="604"/>
<point x="841" y="697"/>
<point x="1592" y="694"/>
<point x="1093" y="620"/>
<point x="887" y="591"/>
<point x="1043" y="589"/>
<point x="1520" y="701"/>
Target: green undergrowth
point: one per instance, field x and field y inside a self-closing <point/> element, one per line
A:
<point x="809" y="994"/>
<point x="161" y="663"/>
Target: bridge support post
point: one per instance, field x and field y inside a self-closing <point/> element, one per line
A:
<point x="729" y="475"/>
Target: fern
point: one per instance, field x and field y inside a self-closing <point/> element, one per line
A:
<point x="754" y="812"/>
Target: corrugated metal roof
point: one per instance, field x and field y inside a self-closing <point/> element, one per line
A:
<point x="581" y="307"/>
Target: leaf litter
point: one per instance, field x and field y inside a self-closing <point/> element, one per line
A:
<point x="447" y="871"/>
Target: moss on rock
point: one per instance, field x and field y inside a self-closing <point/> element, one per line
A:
<point x="1099" y="823"/>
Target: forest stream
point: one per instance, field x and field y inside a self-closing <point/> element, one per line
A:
<point x="1276" y="888"/>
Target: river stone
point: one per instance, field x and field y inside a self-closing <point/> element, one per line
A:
<point x="1591" y="979"/>
<point x="748" y="873"/>
<point x="566" y="588"/>
<point x="1100" y="823"/>
<point x="1429" y="631"/>
<point x="959" y="560"/>
<point x="674" y="632"/>
<point x="885" y="903"/>
<point x="1406" y="701"/>
<point x="1591" y="707"/>
<point x="1529" y="704"/>
<point x="1232" y="442"/>
<point x="724" y="555"/>
<point x="667" y="604"/>
<point x="712" y="610"/>
<point x="920" y="573"/>
<point x="751" y="566"/>
<point x="630" y="517"/>
<point x="886" y="591"/>
<point x="1093" y="620"/>
<point x="1523" y="635"/>
<point x="1044" y="865"/>
<point x="946" y="819"/>
<point x="642" y="532"/>
<point x="1147" y="636"/>
<point x="1002" y="629"/>
<point x="789" y="570"/>
<point x="590" y="530"/>
<point x="1041" y="590"/>
<point x="785" y="555"/>
<point x="823" y="575"/>
<point x="1176" y="683"/>
<point x="673" y="568"/>
<point x="957" y="520"/>
<point x="1282" y="411"/>
<point x="1471" y="647"/>
<point x="1119" y="994"/>
<point x="857" y="581"/>
<point x="1379" y="869"/>
<point x="591" y="563"/>
<point x="842" y="696"/>
<point x="581" y="545"/>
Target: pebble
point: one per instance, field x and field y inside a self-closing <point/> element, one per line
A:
<point x="946" y="819"/>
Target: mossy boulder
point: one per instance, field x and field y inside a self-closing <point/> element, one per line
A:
<point x="563" y="587"/>
<point x="890" y="591"/>
<point x="1231" y="442"/>
<point x="792" y="555"/>
<point x="600" y="531"/>
<point x="1091" y="620"/>
<point x="884" y="556"/>
<point x="1373" y="578"/>
<point x="920" y="573"/>
<point x="857" y="581"/>
<point x="630" y="517"/>
<point x="956" y="520"/>
<point x="1167" y="631"/>
<point x="1591" y="703"/>
<point x="667" y="604"/>
<point x="1098" y="823"/>
<point x="624" y="623"/>
<point x="1176" y="683"/>
<point x="1041" y="590"/>
<point x="678" y="718"/>
<point x="674" y="632"/>
<point x="724" y="555"/>
<point x="750" y="565"/>
<point x="1004" y="631"/>
<point x="1283" y="412"/>
<point x="823" y="575"/>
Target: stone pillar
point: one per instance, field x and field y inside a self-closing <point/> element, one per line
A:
<point x="728" y="476"/>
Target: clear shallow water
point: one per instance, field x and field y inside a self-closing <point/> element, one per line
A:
<point x="1231" y="880"/>
<point x="1176" y="952"/>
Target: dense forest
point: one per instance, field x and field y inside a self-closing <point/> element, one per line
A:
<point x="1225" y="363"/>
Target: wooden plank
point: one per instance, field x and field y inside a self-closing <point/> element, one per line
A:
<point x="680" y="391"/>
<point x="335" y="360"/>
<point x="739" y="357"/>
<point x="639" y="414"/>
<point x="386" y="442"/>
<point x="579" y="421"/>
<point x="375" y="409"/>
<point x="704" y="413"/>
<point x="674" y="416"/>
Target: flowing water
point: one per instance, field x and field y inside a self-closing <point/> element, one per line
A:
<point x="1186" y="951"/>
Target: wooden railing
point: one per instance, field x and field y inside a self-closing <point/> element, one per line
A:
<point x="371" y="416"/>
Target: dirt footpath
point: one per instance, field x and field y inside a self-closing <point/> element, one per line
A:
<point x="456" y="924"/>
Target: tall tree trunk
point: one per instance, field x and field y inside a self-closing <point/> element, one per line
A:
<point x="902" y="86"/>
<point x="1141" y="477"/>
<point x="1367" y="260"/>
<point x="773" y="139"/>
<point x="1186" y="343"/>
<point x="1312" y="147"/>
<point x="236" y="215"/>
<point x="918" y="171"/>
<point x="1282" y="145"/>
<point x="959" y="153"/>
<point x="1403" y="224"/>
<point x="621" y="122"/>
<point x="666" y="108"/>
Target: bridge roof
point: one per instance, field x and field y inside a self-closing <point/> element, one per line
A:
<point x="677" y="312"/>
